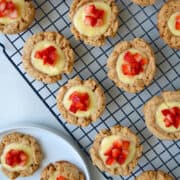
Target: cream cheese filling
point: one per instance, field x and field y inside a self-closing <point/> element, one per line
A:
<point x="50" y="70"/>
<point x="16" y="146"/>
<point x="124" y="78"/>
<point x="172" y="24"/>
<point x="106" y="144"/>
<point x="83" y="89"/>
<point x="160" y="116"/>
<point x="20" y="5"/>
<point x="89" y="31"/>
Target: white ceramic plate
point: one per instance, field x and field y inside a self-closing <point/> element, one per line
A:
<point x="55" y="147"/>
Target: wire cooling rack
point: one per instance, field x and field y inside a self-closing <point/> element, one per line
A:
<point x="122" y="108"/>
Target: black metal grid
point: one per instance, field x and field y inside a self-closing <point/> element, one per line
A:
<point x="122" y="108"/>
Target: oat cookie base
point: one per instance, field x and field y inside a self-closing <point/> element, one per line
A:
<point x="23" y="23"/>
<point x="57" y="39"/>
<point x="149" y="73"/>
<point x="67" y="169"/>
<point x="97" y="40"/>
<point x="37" y="155"/>
<point x="81" y="121"/>
<point x="121" y="170"/>
<point x="169" y="8"/>
<point x="155" y="175"/>
<point x="149" y="111"/>
<point x="144" y="2"/>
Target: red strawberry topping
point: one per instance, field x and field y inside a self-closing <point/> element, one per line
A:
<point x="178" y="22"/>
<point x="16" y="157"/>
<point x="80" y="101"/>
<point x="118" y="152"/>
<point x="48" y="55"/>
<point x="60" y="178"/>
<point x="134" y="64"/>
<point x="93" y="16"/>
<point x="171" y="117"/>
<point x="8" y="9"/>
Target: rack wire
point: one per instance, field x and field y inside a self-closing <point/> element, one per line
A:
<point x="122" y="108"/>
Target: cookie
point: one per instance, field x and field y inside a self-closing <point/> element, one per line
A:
<point x="94" y="20"/>
<point x="16" y="15"/>
<point x="144" y="2"/>
<point x="62" y="170"/>
<point x="154" y="175"/>
<point x="116" y="151"/>
<point x="169" y="23"/>
<point x="20" y="155"/>
<point x="81" y="102"/>
<point x="47" y="55"/>
<point x="162" y="115"/>
<point x="132" y="65"/>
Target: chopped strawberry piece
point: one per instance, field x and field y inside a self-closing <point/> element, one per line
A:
<point x="90" y="21"/>
<point x="80" y="102"/>
<point x="129" y="57"/>
<point x="118" y="152"/>
<point x="126" y="145"/>
<point x="98" y="14"/>
<point x="91" y="9"/>
<point x="8" y="9"/>
<point x="165" y="112"/>
<point x="137" y="57"/>
<point x="93" y="16"/>
<point x="48" y="55"/>
<point x="99" y="22"/>
<point x="117" y="144"/>
<point x="177" y="121"/>
<point x="2" y="6"/>
<point x="178" y="22"/>
<point x="108" y="153"/>
<point x="134" y="64"/>
<point x="175" y="110"/>
<point x="171" y="117"/>
<point x="60" y="178"/>
<point x="121" y="159"/>
<point x="13" y="14"/>
<point x="110" y="160"/>
<point x="16" y="157"/>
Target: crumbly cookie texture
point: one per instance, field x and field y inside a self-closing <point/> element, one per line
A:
<point x="169" y="8"/>
<point x="149" y="73"/>
<point x="150" y="109"/>
<point x="23" y="23"/>
<point x="155" y="175"/>
<point x="144" y="2"/>
<point x="28" y="140"/>
<point x="67" y="170"/>
<point x="81" y="121"/>
<point x="55" y="38"/>
<point x="97" y="40"/>
<point x="121" y="170"/>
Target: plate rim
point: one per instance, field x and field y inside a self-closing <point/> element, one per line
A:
<point x="54" y="132"/>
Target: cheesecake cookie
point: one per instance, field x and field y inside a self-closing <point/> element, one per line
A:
<point x="15" y="15"/>
<point x="81" y="102"/>
<point x="47" y="55"/>
<point x="132" y="65"/>
<point x="169" y="23"/>
<point x="154" y="175"/>
<point x="20" y="155"/>
<point x="62" y="170"/>
<point x="144" y="2"/>
<point x="162" y="115"/>
<point x="94" y="20"/>
<point x="116" y="151"/>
